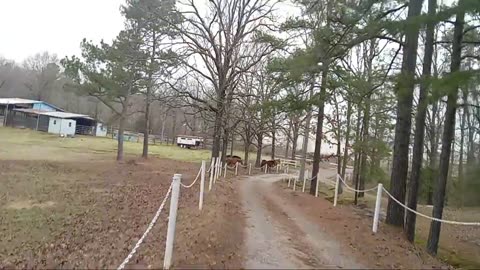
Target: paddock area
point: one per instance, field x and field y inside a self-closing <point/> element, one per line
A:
<point x="65" y="203"/>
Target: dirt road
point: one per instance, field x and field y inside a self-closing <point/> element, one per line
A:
<point x="277" y="236"/>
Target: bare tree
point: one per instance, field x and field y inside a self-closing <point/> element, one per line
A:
<point x="214" y="40"/>
<point x="43" y="73"/>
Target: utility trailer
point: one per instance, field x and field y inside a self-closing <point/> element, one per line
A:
<point x="189" y="142"/>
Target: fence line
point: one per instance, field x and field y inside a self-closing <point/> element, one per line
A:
<point x="173" y="193"/>
<point x="429" y="217"/>
<point x="353" y="189"/>
<point x="150" y="226"/>
<point x="194" y="181"/>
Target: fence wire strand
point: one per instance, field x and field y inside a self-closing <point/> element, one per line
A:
<point x="150" y="226"/>
<point x="356" y="190"/>
<point x="194" y="181"/>
<point x="429" y="217"/>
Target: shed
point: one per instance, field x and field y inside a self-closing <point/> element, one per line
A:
<point x="8" y="105"/>
<point x="55" y="122"/>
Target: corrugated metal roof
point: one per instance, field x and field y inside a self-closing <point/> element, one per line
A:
<point x="18" y="101"/>
<point x="55" y="114"/>
<point x="5" y="101"/>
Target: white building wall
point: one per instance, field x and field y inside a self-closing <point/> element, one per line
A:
<point x="101" y="130"/>
<point x="61" y="126"/>
<point x="54" y="125"/>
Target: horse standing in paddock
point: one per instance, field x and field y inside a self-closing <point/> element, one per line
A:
<point x="233" y="160"/>
<point x="270" y="163"/>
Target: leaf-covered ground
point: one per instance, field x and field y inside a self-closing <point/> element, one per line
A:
<point x="89" y="214"/>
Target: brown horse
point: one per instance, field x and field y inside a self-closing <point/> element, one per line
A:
<point x="233" y="160"/>
<point x="270" y="163"/>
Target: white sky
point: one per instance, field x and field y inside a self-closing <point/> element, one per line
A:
<point x="56" y="26"/>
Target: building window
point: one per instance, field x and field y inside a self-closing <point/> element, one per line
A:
<point x="70" y="124"/>
<point x="54" y="122"/>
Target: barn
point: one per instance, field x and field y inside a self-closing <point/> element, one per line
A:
<point x="8" y="106"/>
<point x="42" y="116"/>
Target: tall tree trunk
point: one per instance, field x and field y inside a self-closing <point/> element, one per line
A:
<point x="174" y="127"/>
<point x="434" y="151"/>
<point x="287" y="143"/>
<point x="306" y="136"/>
<point x="420" y="117"/>
<point x="448" y="134"/>
<point x="357" y="153"/>
<point x="460" y="158"/>
<point x="347" y="139"/>
<point x="296" y="130"/>
<point x="339" y="145"/>
<point x="369" y="54"/>
<point x="217" y="130"/>
<point x="363" y="152"/>
<point x="148" y="97"/>
<point x="273" y="138"/>
<point x="121" y="130"/>
<point x="225" y="138"/>
<point x="231" y="145"/>
<point x="405" y="87"/>
<point x="259" y="149"/>
<point x="247" y="144"/>
<point x="146" y="129"/>
<point x="319" y="132"/>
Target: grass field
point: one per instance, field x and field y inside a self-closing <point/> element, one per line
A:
<point x="21" y="144"/>
<point x="65" y="203"/>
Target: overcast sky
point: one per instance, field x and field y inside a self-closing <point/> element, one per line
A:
<point x="57" y="26"/>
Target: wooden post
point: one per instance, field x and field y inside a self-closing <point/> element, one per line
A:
<point x="337" y="183"/>
<point x="376" y="215"/>
<point x="172" y="220"/>
<point x="202" y="185"/>
<point x="225" y="171"/>
<point x="317" y="186"/>
<point x="305" y="180"/>
<point x="212" y="169"/>
<point x="249" y="168"/>
<point x="236" y="168"/>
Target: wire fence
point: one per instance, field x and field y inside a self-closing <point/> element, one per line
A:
<point x="173" y="194"/>
<point x="149" y="228"/>
<point x="378" y="201"/>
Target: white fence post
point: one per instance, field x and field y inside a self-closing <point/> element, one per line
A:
<point x="277" y="168"/>
<point x="212" y="170"/>
<point x="289" y="181"/>
<point x="215" y="176"/>
<point x="287" y="168"/>
<point x="225" y="171"/>
<point x="376" y="215"/>
<point x="172" y="220"/>
<point x="317" y="186"/>
<point x="266" y="168"/>
<point x="337" y="182"/>
<point x="304" y="180"/>
<point x="202" y="185"/>
<point x="249" y="168"/>
<point x="219" y="169"/>
<point x="236" y="168"/>
<point x="294" y="183"/>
